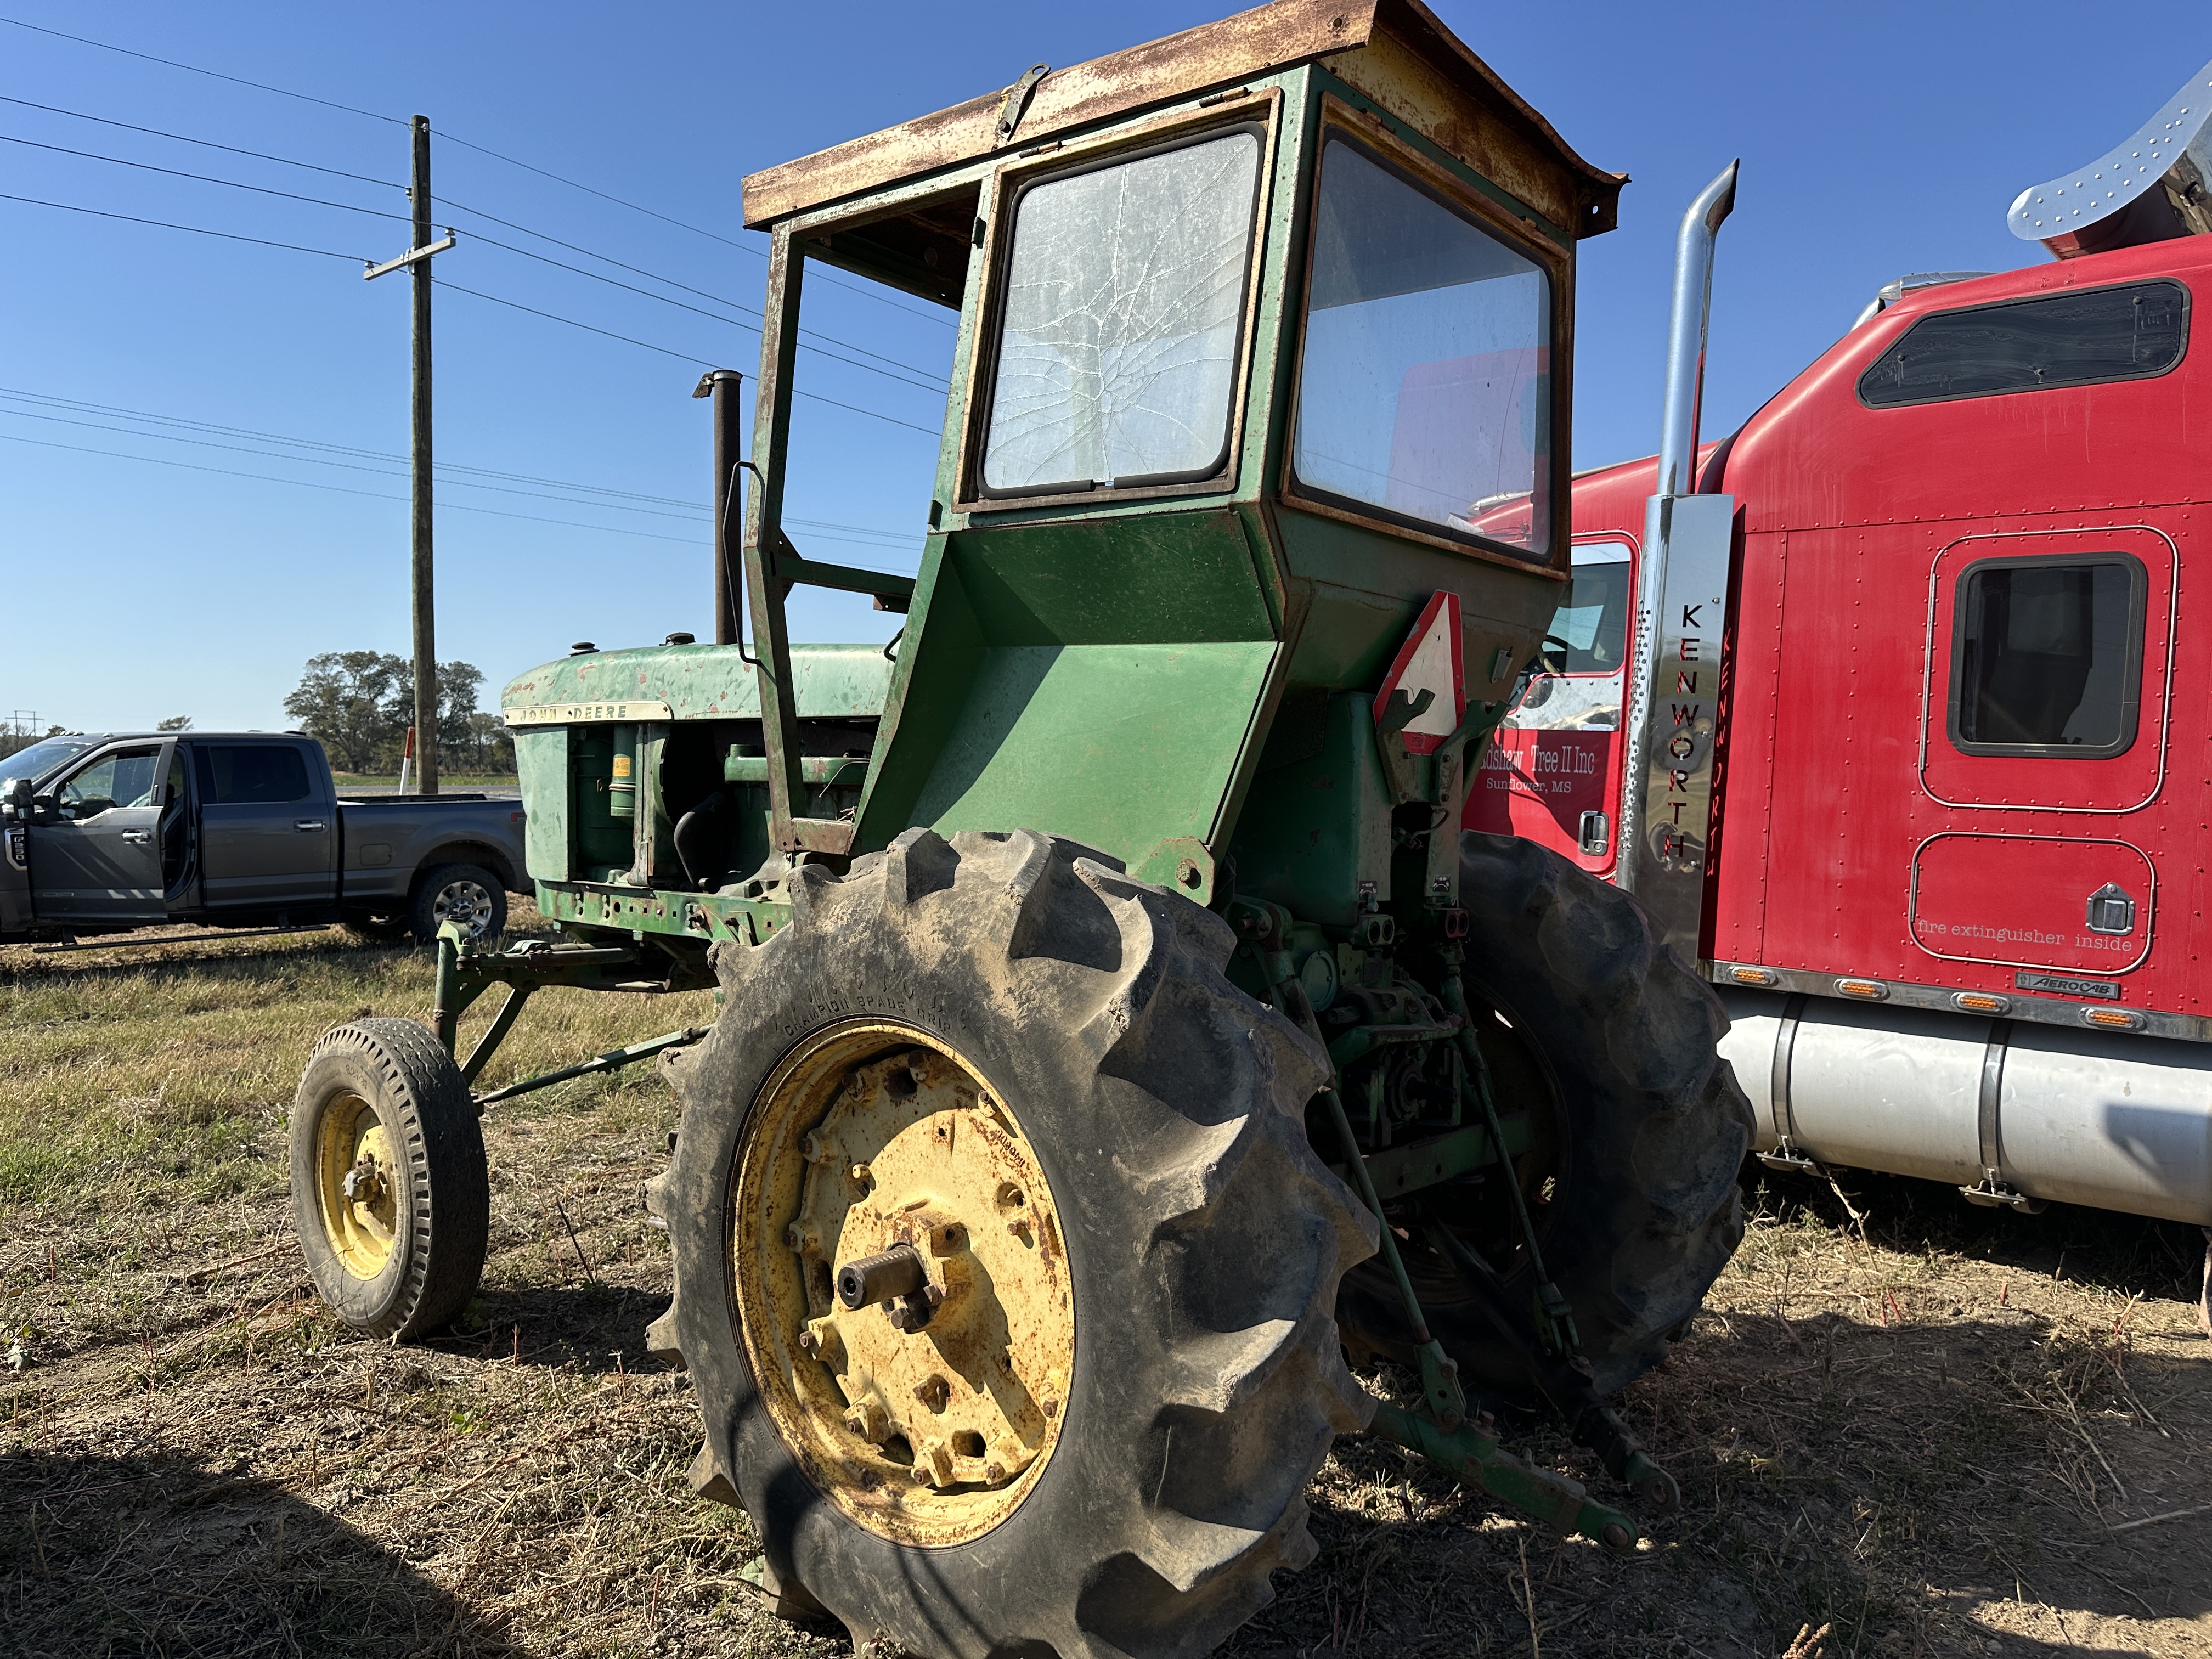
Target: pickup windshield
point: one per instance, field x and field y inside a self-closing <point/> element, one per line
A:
<point x="43" y="757"/>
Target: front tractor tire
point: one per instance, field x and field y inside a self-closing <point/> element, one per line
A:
<point x="391" y="1197"/>
<point x="1003" y="1095"/>
<point x="1639" y="1128"/>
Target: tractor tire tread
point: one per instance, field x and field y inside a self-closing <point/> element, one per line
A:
<point x="1177" y="1152"/>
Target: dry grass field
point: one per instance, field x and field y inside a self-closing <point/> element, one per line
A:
<point x="1935" y="1431"/>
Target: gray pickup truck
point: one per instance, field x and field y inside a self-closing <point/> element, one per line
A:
<point x="119" y="830"/>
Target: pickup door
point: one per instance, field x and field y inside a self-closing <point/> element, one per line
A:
<point x="98" y="856"/>
<point x="268" y="834"/>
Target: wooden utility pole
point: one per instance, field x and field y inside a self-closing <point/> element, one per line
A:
<point x="418" y="258"/>
<point x="425" y="607"/>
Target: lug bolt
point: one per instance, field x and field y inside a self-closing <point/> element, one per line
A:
<point x="809" y="1344"/>
<point x="934" y="1393"/>
<point x="994" y="1472"/>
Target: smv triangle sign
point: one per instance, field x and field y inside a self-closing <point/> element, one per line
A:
<point x="1432" y="659"/>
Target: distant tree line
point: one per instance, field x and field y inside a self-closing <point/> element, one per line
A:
<point x="359" y="704"/>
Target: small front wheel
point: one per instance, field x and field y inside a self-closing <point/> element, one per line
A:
<point x="390" y="1194"/>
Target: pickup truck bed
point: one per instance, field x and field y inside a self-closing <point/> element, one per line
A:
<point x="135" y="830"/>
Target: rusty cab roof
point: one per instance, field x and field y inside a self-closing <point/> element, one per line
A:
<point x="1394" y="52"/>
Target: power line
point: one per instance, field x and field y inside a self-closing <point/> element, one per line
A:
<point x="350" y="466"/>
<point x="263" y="241"/>
<point x="372" y="115"/>
<point x="562" y="265"/>
<point x="728" y="322"/>
<point x="682" y="357"/>
<point x="205" y="143"/>
<point x="341" y="490"/>
<point x="79" y="405"/>
<point x="808" y="335"/>
<point x="202" y="178"/>
<point x="195" y="69"/>
<point x="680" y="224"/>
<point x="734" y="305"/>
<point x="163" y="224"/>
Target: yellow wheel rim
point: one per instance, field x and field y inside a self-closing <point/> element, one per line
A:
<point x="927" y="1420"/>
<point x="357" y="1184"/>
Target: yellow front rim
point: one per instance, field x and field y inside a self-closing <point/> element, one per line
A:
<point x="927" y="1420"/>
<point x="358" y="1185"/>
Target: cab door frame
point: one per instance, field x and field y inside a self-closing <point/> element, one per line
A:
<point x="2155" y="551"/>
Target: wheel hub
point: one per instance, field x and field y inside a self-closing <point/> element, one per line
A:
<point x="465" y="902"/>
<point x="359" y="1197"/>
<point x="904" y="1290"/>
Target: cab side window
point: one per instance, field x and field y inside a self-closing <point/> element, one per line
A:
<point x="2075" y="338"/>
<point x="2046" y="656"/>
<point x="251" y="773"/>
<point x="125" y="778"/>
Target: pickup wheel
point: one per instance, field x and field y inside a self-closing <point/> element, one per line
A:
<point x="466" y="893"/>
<point x="390" y="1194"/>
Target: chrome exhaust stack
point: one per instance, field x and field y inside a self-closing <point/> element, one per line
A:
<point x="1681" y="614"/>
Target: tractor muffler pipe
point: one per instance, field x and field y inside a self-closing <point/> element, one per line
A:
<point x="723" y="385"/>
<point x="872" y="1278"/>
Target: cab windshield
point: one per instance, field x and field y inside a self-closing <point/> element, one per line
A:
<point x="1426" y="389"/>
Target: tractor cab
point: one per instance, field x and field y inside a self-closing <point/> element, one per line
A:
<point x="1263" y="354"/>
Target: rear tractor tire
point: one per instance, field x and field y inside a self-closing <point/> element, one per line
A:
<point x="1001" y="1097"/>
<point x="391" y="1197"/>
<point x="1639" y="1130"/>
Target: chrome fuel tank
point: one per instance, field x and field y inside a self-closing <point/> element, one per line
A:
<point x="2008" y="1112"/>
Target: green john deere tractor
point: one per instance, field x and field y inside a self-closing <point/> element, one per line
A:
<point x="1113" y="1027"/>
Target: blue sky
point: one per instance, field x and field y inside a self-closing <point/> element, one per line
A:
<point x="1872" y="145"/>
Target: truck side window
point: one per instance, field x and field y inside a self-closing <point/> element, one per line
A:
<point x="1592" y="624"/>
<point x="2046" y="656"/>
<point x="1124" y="299"/>
<point x="1425" y="387"/>
<point x="2127" y="333"/>
<point x="251" y="773"/>
<point x="125" y="778"/>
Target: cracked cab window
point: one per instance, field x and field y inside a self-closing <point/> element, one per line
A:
<point x="1425" y="391"/>
<point x="1124" y="301"/>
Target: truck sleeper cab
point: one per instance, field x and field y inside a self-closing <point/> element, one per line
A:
<point x="1954" y="894"/>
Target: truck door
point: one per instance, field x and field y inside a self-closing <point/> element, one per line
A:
<point x="96" y="856"/>
<point x="268" y="828"/>
<point x="2043" y="724"/>
<point x="1552" y="772"/>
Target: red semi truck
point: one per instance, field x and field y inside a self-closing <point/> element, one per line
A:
<point x="1923" y="719"/>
